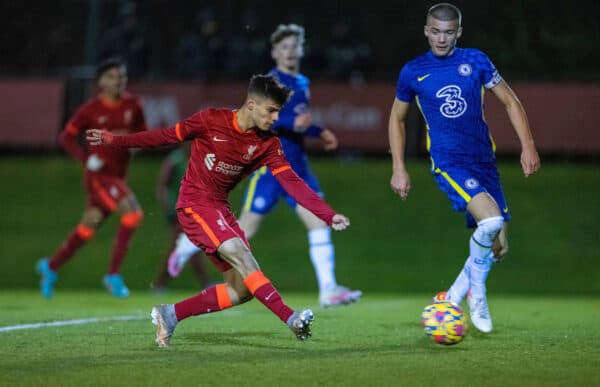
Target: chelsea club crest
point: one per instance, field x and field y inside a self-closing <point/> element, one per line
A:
<point x="465" y="69"/>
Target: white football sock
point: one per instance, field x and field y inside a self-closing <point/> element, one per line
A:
<point x="461" y="285"/>
<point x="322" y="256"/>
<point x="481" y="256"/>
<point x="185" y="248"/>
<point x="478" y="271"/>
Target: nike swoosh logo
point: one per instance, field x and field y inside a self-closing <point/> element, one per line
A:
<point x="505" y="210"/>
<point x="419" y="79"/>
<point x="215" y="138"/>
<point x="269" y="296"/>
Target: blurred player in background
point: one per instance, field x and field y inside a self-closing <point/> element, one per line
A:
<point x="226" y="146"/>
<point x="264" y="191"/>
<point x="448" y="84"/>
<point x="172" y="171"/>
<point x="104" y="178"/>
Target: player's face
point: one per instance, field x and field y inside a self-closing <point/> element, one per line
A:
<point x="264" y="113"/>
<point x="113" y="81"/>
<point x="442" y="35"/>
<point x="287" y="53"/>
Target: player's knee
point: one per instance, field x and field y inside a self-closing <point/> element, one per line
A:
<point x="491" y="226"/>
<point x="132" y="219"/>
<point x="237" y="254"/>
<point x="232" y="249"/>
<point x="92" y="218"/>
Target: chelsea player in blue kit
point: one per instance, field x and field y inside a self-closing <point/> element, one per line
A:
<point x="263" y="192"/>
<point x="448" y="84"/>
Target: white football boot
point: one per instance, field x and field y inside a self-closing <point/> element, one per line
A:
<point x="480" y="313"/>
<point x="163" y="316"/>
<point x="300" y="323"/>
<point x="339" y="295"/>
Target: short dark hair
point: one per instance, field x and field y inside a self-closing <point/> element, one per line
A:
<point x="285" y="30"/>
<point x="445" y="12"/>
<point x="108" y="64"/>
<point x="267" y="86"/>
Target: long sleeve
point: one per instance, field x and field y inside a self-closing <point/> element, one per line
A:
<point x="69" y="139"/>
<point x="150" y="138"/>
<point x="184" y="130"/>
<point x="301" y="192"/>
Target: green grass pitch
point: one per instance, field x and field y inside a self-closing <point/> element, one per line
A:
<point x="544" y="298"/>
<point x="537" y="341"/>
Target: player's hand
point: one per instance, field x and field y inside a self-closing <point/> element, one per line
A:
<point x="530" y="161"/>
<point x="339" y="222"/>
<point x="329" y="140"/>
<point x="400" y="183"/>
<point x="98" y="137"/>
<point x="302" y="122"/>
<point x="94" y="163"/>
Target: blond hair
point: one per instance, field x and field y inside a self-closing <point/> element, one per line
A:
<point x="285" y="30"/>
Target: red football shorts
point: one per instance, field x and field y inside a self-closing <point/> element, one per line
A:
<point x="105" y="192"/>
<point x="208" y="227"/>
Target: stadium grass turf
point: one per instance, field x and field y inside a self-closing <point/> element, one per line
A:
<point x="537" y="341"/>
<point x="415" y="246"/>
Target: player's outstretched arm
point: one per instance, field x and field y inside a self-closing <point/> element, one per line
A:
<point x="307" y="198"/>
<point x="530" y="160"/>
<point x="400" y="181"/>
<point x="145" y="139"/>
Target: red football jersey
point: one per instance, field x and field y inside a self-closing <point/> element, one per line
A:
<point x="122" y="117"/>
<point x="222" y="155"/>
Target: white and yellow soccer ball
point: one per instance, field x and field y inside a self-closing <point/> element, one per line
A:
<point x="444" y="322"/>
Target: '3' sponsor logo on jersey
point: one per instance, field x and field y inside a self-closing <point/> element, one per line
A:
<point x="454" y="104"/>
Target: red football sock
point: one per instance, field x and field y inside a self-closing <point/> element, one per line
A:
<point x="262" y="288"/>
<point x="74" y="241"/>
<point x="129" y="222"/>
<point x="209" y="300"/>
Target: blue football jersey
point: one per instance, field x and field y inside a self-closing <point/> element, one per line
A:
<point x="449" y="92"/>
<point x="291" y="140"/>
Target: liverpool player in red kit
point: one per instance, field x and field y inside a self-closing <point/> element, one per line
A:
<point x="105" y="169"/>
<point x="226" y="146"/>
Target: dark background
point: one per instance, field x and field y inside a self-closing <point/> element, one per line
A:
<point x="527" y="40"/>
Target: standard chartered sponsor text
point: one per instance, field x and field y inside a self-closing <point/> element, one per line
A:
<point x="228" y="169"/>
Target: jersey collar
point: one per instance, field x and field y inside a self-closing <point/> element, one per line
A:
<point x="235" y="123"/>
<point x="109" y="103"/>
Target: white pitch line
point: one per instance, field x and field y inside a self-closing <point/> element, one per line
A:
<point x="70" y="322"/>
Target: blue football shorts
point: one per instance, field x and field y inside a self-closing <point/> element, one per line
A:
<point x="264" y="191"/>
<point x="461" y="183"/>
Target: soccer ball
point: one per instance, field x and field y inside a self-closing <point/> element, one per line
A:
<point x="444" y="322"/>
